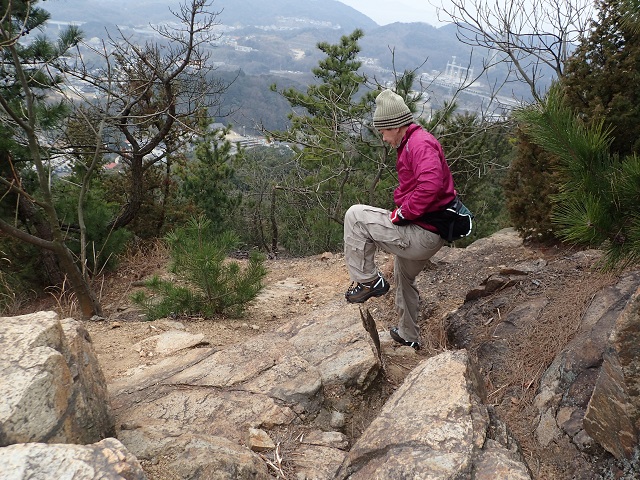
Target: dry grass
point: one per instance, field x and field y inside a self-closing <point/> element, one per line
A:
<point x="536" y="348"/>
<point x="140" y="262"/>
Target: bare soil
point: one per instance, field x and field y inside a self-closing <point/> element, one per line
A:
<point x="308" y="283"/>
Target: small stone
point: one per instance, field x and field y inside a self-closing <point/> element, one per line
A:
<point x="337" y="420"/>
<point x="259" y="440"/>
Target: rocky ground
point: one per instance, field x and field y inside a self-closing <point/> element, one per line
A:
<point x="299" y="285"/>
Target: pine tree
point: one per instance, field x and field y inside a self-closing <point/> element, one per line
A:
<point x="208" y="179"/>
<point x="602" y="79"/>
<point x="598" y="191"/>
<point x="631" y="15"/>
<point x="530" y="186"/>
<point x="334" y="167"/>
<point x="27" y="77"/>
<point x="209" y="284"/>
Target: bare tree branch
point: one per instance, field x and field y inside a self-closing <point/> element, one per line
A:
<point x="529" y="35"/>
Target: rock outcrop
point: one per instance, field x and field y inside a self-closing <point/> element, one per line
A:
<point x="586" y="399"/>
<point x="51" y="385"/>
<point x="104" y="460"/>
<point x="272" y="381"/>
<point x="437" y="423"/>
<point x="612" y="417"/>
<point x="568" y="384"/>
<point x="190" y="410"/>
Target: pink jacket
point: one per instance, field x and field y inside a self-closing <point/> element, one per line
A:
<point x="425" y="183"/>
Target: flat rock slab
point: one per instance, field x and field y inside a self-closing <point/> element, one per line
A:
<point x="428" y="425"/>
<point x="168" y="343"/>
<point x="337" y="345"/>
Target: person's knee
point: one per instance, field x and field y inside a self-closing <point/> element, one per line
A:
<point x="353" y="213"/>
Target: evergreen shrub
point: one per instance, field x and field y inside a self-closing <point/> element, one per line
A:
<point x="529" y="188"/>
<point x="207" y="282"/>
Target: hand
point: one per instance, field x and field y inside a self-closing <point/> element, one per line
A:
<point x="397" y="218"/>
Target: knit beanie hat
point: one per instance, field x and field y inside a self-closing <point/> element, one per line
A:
<point x="391" y="111"/>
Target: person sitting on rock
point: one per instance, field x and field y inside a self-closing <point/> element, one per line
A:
<point x="425" y="185"/>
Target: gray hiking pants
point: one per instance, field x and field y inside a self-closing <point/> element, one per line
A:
<point x="367" y="228"/>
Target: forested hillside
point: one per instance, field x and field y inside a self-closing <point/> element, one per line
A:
<point x="277" y="43"/>
<point x="119" y="140"/>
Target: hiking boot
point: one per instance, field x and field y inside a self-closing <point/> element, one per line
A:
<point x="361" y="292"/>
<point x="396" y="336"/>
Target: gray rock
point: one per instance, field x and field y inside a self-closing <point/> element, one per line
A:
<point x="269" y="367"/>
<point x="326" y="439"/>
<point x="337" y="346"/>
<point x="217" y="458"/>
<point x="497" y="462"/>
<point x="570" y="380"/>
<point x="505" y="238"/>
<point x="190" y="455"/>
<point x="261" y="383"/>
<point x="107" y="459"/>
<point x="337" y="420"/>
<point x="52" y="387"/>
<point x="428" y="425"/>
<point x="313" y="462"/>
<point x="316" y="458"/>
<point x="613" y="414"/>
<point x="168" y="342"/>
<point x="259" y="441"/>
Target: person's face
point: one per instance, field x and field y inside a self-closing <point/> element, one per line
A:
<point x="392" y="136"/>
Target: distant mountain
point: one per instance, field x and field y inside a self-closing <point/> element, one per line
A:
<point x="282" y="34"/>
<point x="275" y="41"/>
<point x="261" y="12"/>
<point x="414" y="45"/>
<point x="232" y="12"/>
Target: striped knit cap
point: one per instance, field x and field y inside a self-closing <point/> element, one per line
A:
<point x="391" y="111"/>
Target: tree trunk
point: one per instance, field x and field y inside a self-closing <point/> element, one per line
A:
<point x="89" y="305"/>
<point x="131" y="208"/>
<point x="274" y="225"/>
<point x="28" y="215"/>
<point x="166" y="193"/>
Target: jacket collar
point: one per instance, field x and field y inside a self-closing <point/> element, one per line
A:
<point x="412" y="128"/>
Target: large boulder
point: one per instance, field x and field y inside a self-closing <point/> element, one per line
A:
<point x="104" y="460"/>
<point x="436" y="423"/>
<point x="613" y="414"/>
<point x="52" y="387"/>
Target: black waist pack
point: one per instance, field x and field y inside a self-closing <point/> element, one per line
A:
<point x="453" y="223"/>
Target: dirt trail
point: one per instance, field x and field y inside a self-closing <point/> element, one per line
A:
<point x="299" y="286"/>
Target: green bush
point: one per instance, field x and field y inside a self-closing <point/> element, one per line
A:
<point x="104" y="245"/>
<point x="594" y="206"/>
<point x="208" y="283"/>
<point x="529" y="187"/>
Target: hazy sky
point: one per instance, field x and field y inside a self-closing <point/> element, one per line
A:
<point x="389" y="11"/>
